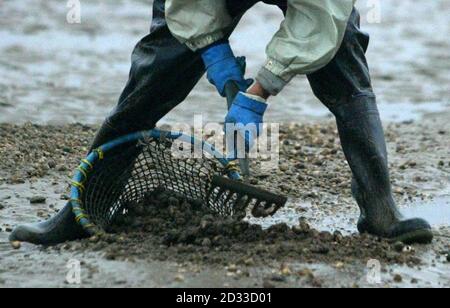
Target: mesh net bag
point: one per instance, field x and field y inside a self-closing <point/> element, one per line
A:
<point x="126" y="175"/>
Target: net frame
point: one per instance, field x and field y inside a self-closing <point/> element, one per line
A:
<point x="123" y="171"/>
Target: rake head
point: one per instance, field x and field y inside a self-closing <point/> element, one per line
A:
<point x="262" y="202"/>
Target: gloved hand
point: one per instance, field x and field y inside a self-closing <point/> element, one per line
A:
<point x="222" y="66"/>
<point x="246" y="113"/>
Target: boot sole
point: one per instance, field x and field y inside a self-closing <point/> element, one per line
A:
<point x="424" y="236"/>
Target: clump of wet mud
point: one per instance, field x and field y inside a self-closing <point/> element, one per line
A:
<point x="165" y="226"/>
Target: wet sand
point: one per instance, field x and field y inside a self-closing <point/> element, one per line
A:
<point x="53" y="73"/>
<point x="421" y="169"/>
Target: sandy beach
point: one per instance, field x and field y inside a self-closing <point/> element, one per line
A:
<point x="58" y="81"/>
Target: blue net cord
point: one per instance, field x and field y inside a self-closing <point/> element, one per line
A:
<point x="105" y="182"/>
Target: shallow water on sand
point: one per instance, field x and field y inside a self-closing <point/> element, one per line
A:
<point x="54" y="72"/>
<point x="436" y="212"/>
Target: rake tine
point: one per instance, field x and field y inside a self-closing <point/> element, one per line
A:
<point x="253" y="194"/>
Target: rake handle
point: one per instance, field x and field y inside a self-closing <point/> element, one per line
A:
<point x="231" y="91"/>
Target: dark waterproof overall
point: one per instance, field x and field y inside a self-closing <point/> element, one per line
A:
<point x="164" y="72"/>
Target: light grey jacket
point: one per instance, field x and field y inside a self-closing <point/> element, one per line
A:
<point x="307" y="40"/>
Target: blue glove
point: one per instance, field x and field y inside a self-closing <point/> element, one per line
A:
<point x="222" y="66"/>
<point x="247" y="115"/>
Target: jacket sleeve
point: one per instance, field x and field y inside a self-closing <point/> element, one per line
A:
<point x="197" y="23"/>
<point x="307" y="40"/>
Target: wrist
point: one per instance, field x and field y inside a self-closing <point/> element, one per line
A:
<point x="272" y="83"/>
<point x="257" y="106"/>
<point x="257" y="90"/>
<point x="255" y="98"/>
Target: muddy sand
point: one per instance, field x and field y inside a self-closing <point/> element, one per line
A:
<point x="311" y="242"/>
<point x="54" y="73"/>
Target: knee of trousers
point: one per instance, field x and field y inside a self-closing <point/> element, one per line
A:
<point x="356" y="106"/>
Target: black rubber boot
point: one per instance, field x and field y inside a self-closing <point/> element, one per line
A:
<point x="363" y="141"/>
<point x="59" y="229"/>
<point x="62" y="227"/>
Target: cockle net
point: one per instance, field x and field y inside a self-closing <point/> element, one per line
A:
<point x="125" y="176"/>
